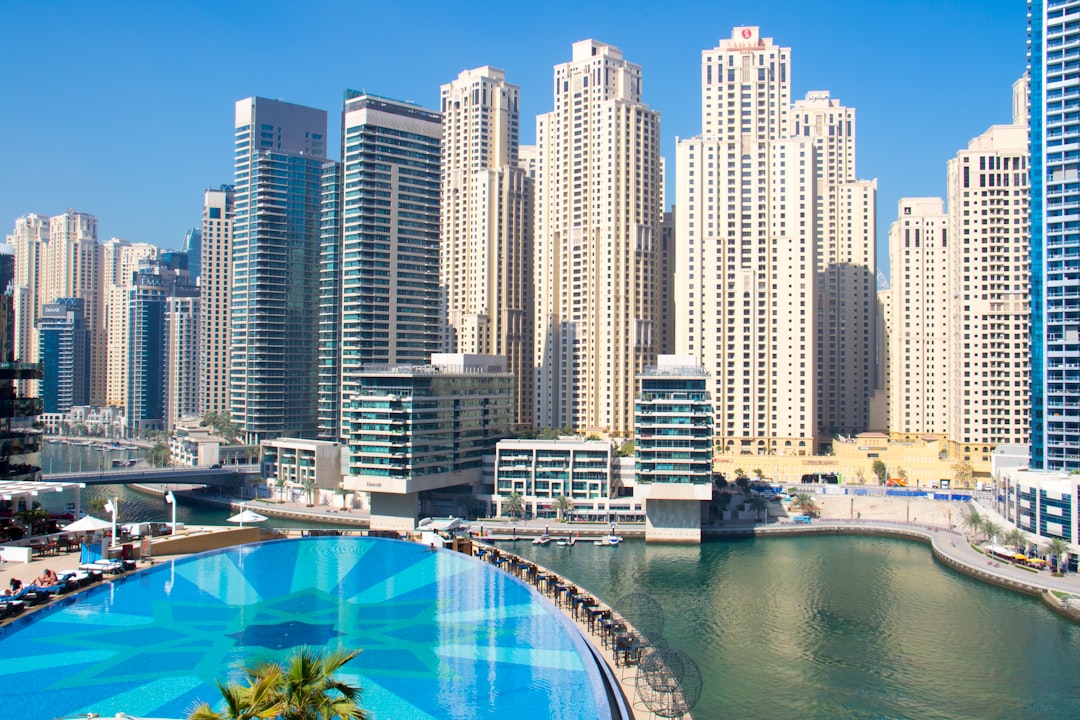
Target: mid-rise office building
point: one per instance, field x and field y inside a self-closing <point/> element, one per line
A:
<point x="280" y="150"/>
<point x="487" y="224"/>
<point x="415" y="430"/>
<point x="599" y="208"/>
<point x="1054" y="27"/>
<point x="918" y="338"/>
<point x="988" y="285"/>
<point x="215" y="289"/>
<point x="64" y="353"/>
<point x="673" y="445"/>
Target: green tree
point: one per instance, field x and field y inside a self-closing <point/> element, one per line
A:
<point x="303" y="688"/>
<point x="759" y="474"/>
<point x="742" y="481"/>
<point x="880" y="470"/>
<point x="279" y="483"/>
<point x="806" y="504"/>
<point x="990" y="529"/>
<point x="344" y="492"/>
<point x="1056" y="548"/>
<point x="759" y="505"/>
<point x="514" y="505"/>
<point x="563" y="506"/>
<point x="159" y="455"/>
<point x="626" y="449"/>
<point x="963" y="474"/>
<point x="1015" y="538"/>
<point x="309" y="488"/>
<point x="971" y="520"/>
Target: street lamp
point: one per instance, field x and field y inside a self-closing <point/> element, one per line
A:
<point x="171" y="499"/>
<point x="113" y="507"/>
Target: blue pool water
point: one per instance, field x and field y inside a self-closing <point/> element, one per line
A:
<point x="443" y="635"/>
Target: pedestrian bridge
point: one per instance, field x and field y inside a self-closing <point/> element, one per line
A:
<point x="151" y="475"/>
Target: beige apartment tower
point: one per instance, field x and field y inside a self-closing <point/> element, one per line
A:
<point x="918" y="338"/>
<point x="215" y="283"/>
<point x="120" y="261"/>
<point x="745" y="251"/>
<point x="989" y="277"/>
<point x="598" y="215"/>
<point x="486" y="214"/>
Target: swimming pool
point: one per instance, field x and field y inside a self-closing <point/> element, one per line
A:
<point x="443" y="635"/>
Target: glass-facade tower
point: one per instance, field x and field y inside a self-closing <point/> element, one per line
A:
<point x="1053" y="51"/>
<point x="280" y="151"/>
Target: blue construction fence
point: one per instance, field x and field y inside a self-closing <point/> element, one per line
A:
<point x="900" y="492"/>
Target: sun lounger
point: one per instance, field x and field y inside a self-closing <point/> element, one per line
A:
<point x="103" y="566"/>
<point x="11" y="608"/>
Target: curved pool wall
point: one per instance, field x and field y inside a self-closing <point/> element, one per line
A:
<point x="443" y="635"/>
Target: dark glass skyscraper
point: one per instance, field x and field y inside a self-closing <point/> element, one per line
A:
<point x="64" y="352"/>
<point x="280" y="151"/>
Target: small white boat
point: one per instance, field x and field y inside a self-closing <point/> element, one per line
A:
<point x="608" y="541"/>
<point x="542" y="540"/>
<point x="566" y="542"/>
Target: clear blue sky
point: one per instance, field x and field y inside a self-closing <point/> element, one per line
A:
<point x="125" y="109"/>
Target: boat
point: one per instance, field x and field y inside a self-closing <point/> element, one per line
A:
<point x="566" y="542"/>
<point x="608" y="541"/>
<point x="542" y="540"/>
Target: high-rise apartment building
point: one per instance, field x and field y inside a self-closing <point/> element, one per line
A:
<point x="598" y="213"/>
<point x="146" y="365"/>
<point x="192" y="247"/>
<point x="330" y="305"/>
<point x="120" y="262"/>
<point x="182" y="344"/>
<point x="72" y="268"/>
<point x="487" y="224"/>
<point x="29" y="241"/>
<point x="746" y="229"/>
<point x="280" y="149"/>
<point x="989" y="280"/>
<point x="845" y="322"/>
<point x="1055" y="245"/>
<point x="390" y="236"/>
<point x="215" y="288"/>
<point x="918" y="339"/>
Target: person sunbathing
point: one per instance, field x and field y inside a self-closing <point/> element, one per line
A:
<point x="47" y="579"/>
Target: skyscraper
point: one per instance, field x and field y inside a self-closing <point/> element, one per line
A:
<point x="487" y="224"/>
<point x="598" y="215"/>
<point x="215" y="288"/>
<point x="120" y="261"/>
<point x="330" y="304"/>
<point x="1055" y="244"/>
<point x="390" y="235"/>
<point x="746" y="260"/>
<point x="182" y="341"/>
<point x="988" y="284"/>
<point x="280" y="149"/>
<point x="29" y="240"/>
<point x="918" y="338"/>
<point x="146" y="365"/>
<point x="72" y="263"/>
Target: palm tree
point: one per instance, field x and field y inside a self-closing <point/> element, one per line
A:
<point x="806" y="503"/>
<point x="514" y="505"/>
<point x="279" y="483"/>
<point x="1056" y="548"/>
<point x="304" y="688"/>
<point x="971" y="520"/>
<point x="990" y="528"/>
<point x="563" y="506"/>
<point x="309" y="488"/>
<point x="759" y="505"/>
<point x="861" y="476"/>
<point x="344" y="492"/>
<point x="1015" y="538"/>
<point x="759" y="474"/>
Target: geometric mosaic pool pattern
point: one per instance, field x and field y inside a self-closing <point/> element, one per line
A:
<point x="443" y="635"/>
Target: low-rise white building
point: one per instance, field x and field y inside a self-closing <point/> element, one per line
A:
<point x="306" y="471"/>
<point x="1044" y="504"/>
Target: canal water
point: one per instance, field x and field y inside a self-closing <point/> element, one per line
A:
<point x="134" y="506"/>
<point x="840" y="627"/>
